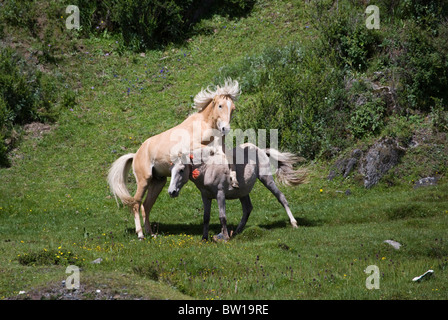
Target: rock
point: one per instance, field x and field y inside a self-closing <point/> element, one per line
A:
<point x="426" y="275"/>
<point x="388" y="95"/>
<point x="345" y="166"/>
<point x="331" y="175"/>
<point x="396" y="245"/>
<point x="97" y="261"/>
<point x="380" y="158"/>
<point x="424" y="182"/>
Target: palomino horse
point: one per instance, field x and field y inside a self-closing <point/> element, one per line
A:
<point x="212" y="177"/>
<point x="151" y="163"/>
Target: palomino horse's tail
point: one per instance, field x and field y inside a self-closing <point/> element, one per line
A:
<point x="285" y="172"/>
<point x="117" y="177"/>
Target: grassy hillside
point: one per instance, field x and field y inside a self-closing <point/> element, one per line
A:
<point x="56" y="208"/>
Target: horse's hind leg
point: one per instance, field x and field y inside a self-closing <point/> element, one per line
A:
<point x="221" y="199"/>
<point x="141" y="189"/>
<point x="247" y="209"/>
<point x="207" y="208"/>
<point x="155" y="186"/>
<point x="269" y="183"/>
<point x="142" y="177"/>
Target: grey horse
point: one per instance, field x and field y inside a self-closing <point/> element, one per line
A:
<point x="208" y="168"/>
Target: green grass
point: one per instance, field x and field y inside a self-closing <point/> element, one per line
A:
<point x="56" y="208"/>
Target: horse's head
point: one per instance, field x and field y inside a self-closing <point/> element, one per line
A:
<point x="180" y="172"/>
<point x="223" y="108"/>
<point x="220" y="103"/>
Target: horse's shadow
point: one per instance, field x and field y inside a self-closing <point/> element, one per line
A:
<point x="197" y="228"/>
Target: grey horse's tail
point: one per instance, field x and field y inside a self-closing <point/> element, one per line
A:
<point x="286" y="174"/>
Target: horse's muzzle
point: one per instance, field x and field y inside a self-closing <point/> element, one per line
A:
<point x="225" y="130"/>
<point x="223" y="127"/>
<point x="173" y="193"/>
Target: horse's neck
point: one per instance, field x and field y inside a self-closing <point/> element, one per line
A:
<point x="203" y="123"/>
<point x="206" y="115"/>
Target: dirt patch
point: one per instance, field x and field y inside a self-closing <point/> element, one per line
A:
<point x="37" y="129"/>
<point x="58" y="291"/>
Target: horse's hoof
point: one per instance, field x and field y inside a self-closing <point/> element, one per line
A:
<point x="220" y="238"/>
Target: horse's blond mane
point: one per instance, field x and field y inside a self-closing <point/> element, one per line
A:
<point x="205" y="96"/>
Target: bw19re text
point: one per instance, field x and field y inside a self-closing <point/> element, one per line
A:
<point x="245" y="309"/>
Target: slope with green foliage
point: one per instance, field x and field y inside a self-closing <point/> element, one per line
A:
<point x="56" y="208"/>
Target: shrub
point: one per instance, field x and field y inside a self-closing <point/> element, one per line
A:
<point x="423" y="69"/>
<point x="427" y="13"/>
<point x="295" y="92"/>
<point x="147" y="24"/>
<point x="402" y="128"/>
<point x="367" y="118"/>
<point x="439" y="116"/>
<point x="18" y="13"/>
<point x="49" y="257"/>
<point x="15" y="89"/>
<point x="26" y="95"/>
<point x="345" y="34"/>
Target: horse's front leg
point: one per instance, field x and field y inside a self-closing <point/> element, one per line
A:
<point x="207" y="208"/>
<point x="221" y="198"/>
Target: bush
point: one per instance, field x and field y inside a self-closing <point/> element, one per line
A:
<point x="439" y="116"/>
<point x="26" y="92"/>
<point x="145" y="24"/>
<point x="295" y="92"/>
<point x="344" y="33"/>
<point x="26" y="95"/>
<point x="15" y="90"/>
<point x="423" y="68"/>
<point x="49" y="257"/>
<point x="367" y="117"/>
<point x="148" y="22"/>
<point x="18" y="13"/>
<point x="427" y="13"/>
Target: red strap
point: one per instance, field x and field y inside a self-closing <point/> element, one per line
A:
<point x="195" y="173"/>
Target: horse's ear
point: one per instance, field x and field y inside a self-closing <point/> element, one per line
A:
<point x="214" y="100"/>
